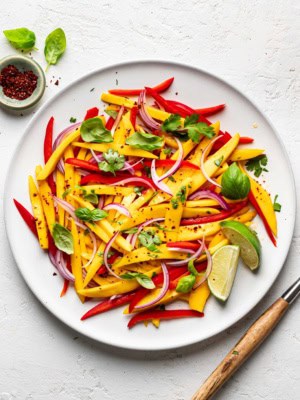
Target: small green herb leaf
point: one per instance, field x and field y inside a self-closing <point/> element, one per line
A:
<point x="167" y="151"/>
<point x="55" y="46"/>
<point x="91" y="197"/>
<point x="142" y="279"/>
<point x="235" y="184"/>
<point x="192" y="268"/>
<point x="276" y="206"/>
<point x="172" y="123"/>
<point x="113" y="161"/>
<point x="63" y="239"/>
<point x="132" y="230"/>
<point x="149" y="240"/>
<point x="93" y="130"/>
<point x="90" y="215"/>
<point x="138" y="190"/>
<point x="174" y="203"/>
<point x="66" y="192"/>
<point x="185" y="284"/>
<point x="145" y="141"/>
<point x="112" y="113"/>
<point x="257" y="165"/>
<point x="72" y="119"/>
<point x="181" y="194"/>
<point x="20" y="38"/>
<point x="218" y="162"/>
<point x="195" y="129"/>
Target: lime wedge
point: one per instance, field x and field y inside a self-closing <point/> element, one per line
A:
<point x="225" y="262"/>
<point x="239" y="234"/>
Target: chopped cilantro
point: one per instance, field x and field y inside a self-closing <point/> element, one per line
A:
<point x="72" y="119"/>
<point x="174" y="203"/>
<point x="149" y="240"/>
<point x="276" y="206"/>
<point x="257" y="165"/>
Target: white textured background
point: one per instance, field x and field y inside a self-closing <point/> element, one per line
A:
<point x="254" y="45"/>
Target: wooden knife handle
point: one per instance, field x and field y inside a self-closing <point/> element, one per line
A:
<point x="255" y="335"/>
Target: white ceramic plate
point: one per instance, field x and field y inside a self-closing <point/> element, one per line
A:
<point x="196" y="88"/>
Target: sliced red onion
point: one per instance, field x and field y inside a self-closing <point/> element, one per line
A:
<point x="117" y="120"/>
<point x="162" y="292"/>
<point x="162" y="186"/>
<point x="134" y="179"/>
<point x="101" y="202"/>
<point x="208" y="194"/>
<point x="129" y="237"/>
<point x="60" y="264"/>
<point x="148" y="120"/>
<point x="82" y="172"/>
<point x="186" y="261"/>
<point x="61" y="166"/>
<point x="149" y="222"/>
<point x="202" y="159"/>
<point x="208" y="268"/>
<point x="128" y="167"/>
<point x="175" y="167"/>
<point x="118" y="207"/>
<point x="105" y="255"/>
<point x="96" y="158"/>
<point x="66" y="206"/>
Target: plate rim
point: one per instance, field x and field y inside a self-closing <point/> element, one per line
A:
<point x="95" y="71"/>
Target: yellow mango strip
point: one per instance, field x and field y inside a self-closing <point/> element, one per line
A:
<point x="248" y="216"/>
<point x="169" y="140"/>
<point x="201" y="203"/>
<point x="106" y="189"/>
<point x="119" y="135"/>
<point x="128" y="128"/>
<point x="47" y="200"/>
<point x="123" y="149"/>
<point x="95" y="264"/>
<point x="170" y="296"/>
<point x="196" y="155"/>
<point x="126" y="202"/>
<point x="216" y="239"/>
<point x="108" y="200"/>
<point x="195" y="212"/>
<point x="221" y="170"/>
<point x="76" y="265"/>
<point x="38" y="213"/>
<point x="118" y="100"/>
<point x="264" y="201"/>
<point x="103" y="228"/>
<point x="69" y="174"/>
<point x="82" y="154"/>
<point x="119" y="287"/>
<point x="144" y="214"/>
<point x="112" y="213"/>
<point x="199" y="297"/>
<point x="156" y="322"/>
<point x="57" y="154"/>
<point x="194" y="232"/>
<point x="139" y="202"/>
<point x="188" y="146"/>
<point x="77" y="177"/>
<point x="83" y="249"/>
<point x="60" y="188"/>
<point x="245" y="154"/>
<point x="143" y="254"/>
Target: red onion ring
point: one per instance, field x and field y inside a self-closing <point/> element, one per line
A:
<point x="163" y="291"/>
<point x="117" y="120"/>
<point x="101" y="202"/>
<point x="208" y="268"/>
<point x="201" y="194"/>
<point x="66" y="206"/>
<point x="95" y="157"/>
<point x="175" y="167"/>
<point x="135" y="179"/>
<point x="118" y="207"/>
<point x="149" y="222"/>
<point x="205" y="151"/>
<point x="162" y="186"/>
<point x="148" y="120"/>
<point x="186" y="261"/>
<point x="105" y="255"/>
<point x="61" y="266"/>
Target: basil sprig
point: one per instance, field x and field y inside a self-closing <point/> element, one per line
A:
<point x="63" y="238"/>
<point x="55" y="46"/>
<point x="20" y="38"/>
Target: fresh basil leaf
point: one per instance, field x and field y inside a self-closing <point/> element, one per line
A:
<point x="235" y="184"/>
<point x="91" y="197"/>
<point x="192" y="268"/>
<point x="149" y="240"/>
<point x="276" y="205"/>
<point x="185" y="284"/>
<point x="90" y="215"/>
<point x="145" y="141"/>
<point x="113" y="161"/>
<point x="55" y="46"/>
<point x="63" y="238"/>
<point x="93" y="130"/>
<point x="172" y="123"/>
<point x="112" y="113"/>
<point x="20" y="38"/>
<point x="257" y="165"/>
<point x="142" y="279"/>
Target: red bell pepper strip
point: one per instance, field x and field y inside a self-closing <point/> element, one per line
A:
<point x="157" y="280"/>
<point x="184" y="245"/>
<point x="27" y="217"/>
<point x="224" y="137"/>
<point x="82" y="164"/>
<point x="107" y="180"/>
<point x="91" y="113"/>
<point x="245" y="140"/>
<point x="109" y="124"/>
<point x="133" y="115"/>
<point x="263" y="218"/>
<point x="163" y="315"/>
<point x="216" y="217"/>
<point x="165" y="163"/>
<point x="64" y="288"/>
<point x="107" y="305"/>
<point x="48" y="140"/>
<point x="102" y="270"/>
<point x="210" y="110"/>
<point x="161" y="87"/>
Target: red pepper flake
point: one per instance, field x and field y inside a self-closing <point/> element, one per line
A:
<point x="16" y="84"/>
<point x="57" y="82"/>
